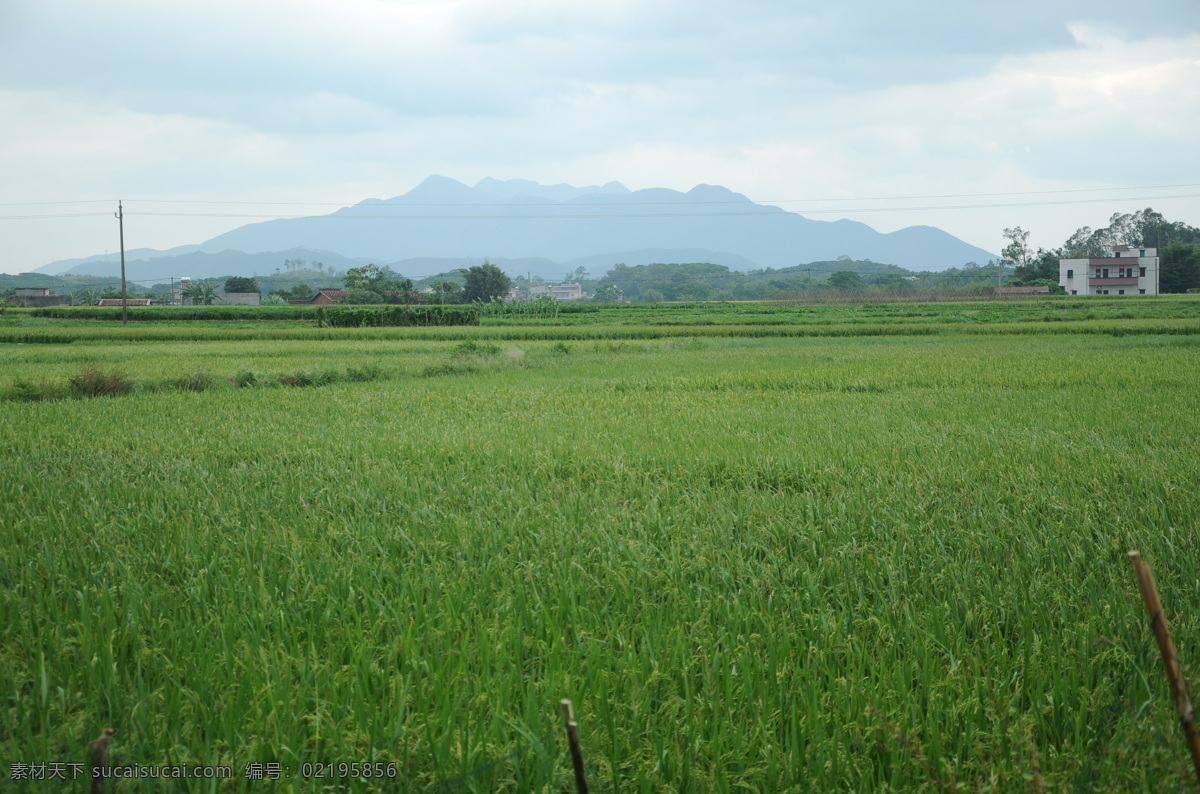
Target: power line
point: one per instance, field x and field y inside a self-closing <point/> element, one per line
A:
<point x="47" y="203"/>
<point x="54" y="215"/>
<point x="607" y="215"/>
<point x="624" y="203"/>
<point x="777" y="213"/>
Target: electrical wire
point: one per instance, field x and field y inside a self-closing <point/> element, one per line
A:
<point x="776" y="213"/>
<point x="625" y="203"/>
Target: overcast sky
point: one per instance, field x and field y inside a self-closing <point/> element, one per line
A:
<point x="789" y="102"/>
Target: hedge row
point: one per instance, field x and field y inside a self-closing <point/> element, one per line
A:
<point x="178" y="313"/>
<point x="380" y="316"/>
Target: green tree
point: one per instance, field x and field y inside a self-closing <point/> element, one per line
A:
<point x="1017" y="251"/>
<point x="485" y="282"/>
<point x="367" y="277"/>
<point x="1142" y="229"/>
<point x="241" y="284"/>
<point x="85" y="297"/>
<point x="201" y="292"/>
<point x="1179" y="267"/>
<point x="607" y="293"/>
<point x="298" y="291"/>
<point x="381" y="282"/>
<point x="652" y="296"/>
<point x="447" y="291"/>
<point x="846" y="280"/>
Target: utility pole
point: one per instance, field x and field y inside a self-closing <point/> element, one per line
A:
<point x="124" y="293"/>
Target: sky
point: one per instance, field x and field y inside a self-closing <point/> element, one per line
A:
<point x="972" y="117"/>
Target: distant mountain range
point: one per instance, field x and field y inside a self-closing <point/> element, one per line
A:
<point x="542" y="229"/>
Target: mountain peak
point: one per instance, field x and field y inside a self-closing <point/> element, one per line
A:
<point x="528" y="189"/>
<point x="440" y="188"/>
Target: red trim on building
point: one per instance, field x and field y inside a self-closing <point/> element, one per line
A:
<point x="1112" y="282"/>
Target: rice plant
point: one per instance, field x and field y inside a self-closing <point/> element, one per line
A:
<point x="855" y="563"/>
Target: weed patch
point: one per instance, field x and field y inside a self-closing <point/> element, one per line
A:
<point x="94" y="382"/>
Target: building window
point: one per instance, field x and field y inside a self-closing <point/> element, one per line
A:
<point x="1070" y="274"/>
<point x="1074" y="292"/>
<point x="1120" y="292"/>
<point x="1142" y="252"/>
<point x="1142" y="272"/>
<point x="1141" y="292"/>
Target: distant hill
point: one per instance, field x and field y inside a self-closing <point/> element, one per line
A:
<point x="149" y="266"/>
<point x="545" y="230"/>
<point x="443" y="218"/>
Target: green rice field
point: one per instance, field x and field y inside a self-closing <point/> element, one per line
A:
<point x="788" y="557"/>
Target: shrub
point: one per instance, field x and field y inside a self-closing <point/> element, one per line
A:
<point x="363" y="374"/>
<point x="446" y="368"/>
<point x="244" y="379"/>
<point x="300" y="379"/>
<point x="560" y="347"/>
<point x="29" y="391"/>
<point x="93" y="382"/>
<point x="473" y="348"/>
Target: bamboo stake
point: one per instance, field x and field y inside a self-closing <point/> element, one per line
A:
<point x="1166" y="648"/>
<point x="581" y="785"/>
<point x="100" y="759"/>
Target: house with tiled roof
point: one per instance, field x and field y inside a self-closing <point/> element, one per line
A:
<point x="327" y="295"/>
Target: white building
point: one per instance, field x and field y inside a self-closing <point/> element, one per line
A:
<point x="1123" y="271"/>
<point x="566" y="292"/>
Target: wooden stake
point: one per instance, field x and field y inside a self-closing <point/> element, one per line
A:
<point x="581" y="785"/>
<point x="100" y="759"/>
<point x="1166" y="648"/>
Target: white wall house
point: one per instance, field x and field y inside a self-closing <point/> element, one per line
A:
<point x="1123" y="271"/>
<point x="566" y="292"/>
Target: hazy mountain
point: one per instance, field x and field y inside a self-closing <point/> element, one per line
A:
<point x="445" y="218"/>
<point x="422" y="267"/>
<point x="524" y="189"/>
<point x="148" y="266"/>
<point x="599" y="264"/>
<point x="523" y="226"/>
<point x="101" y="264"/>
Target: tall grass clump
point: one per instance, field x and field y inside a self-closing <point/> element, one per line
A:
<point x="28" y="390"/>
<point x="94" y="382"/>
<point x="244" y="379"/>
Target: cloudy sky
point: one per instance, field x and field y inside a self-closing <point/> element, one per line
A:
<point x="1049" y="114"/>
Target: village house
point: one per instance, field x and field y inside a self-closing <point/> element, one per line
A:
<point x="1123" y="271"/>
<point x="37" y="297"/>
<point x="566" y="292"/>
<point x="324" y="296"/>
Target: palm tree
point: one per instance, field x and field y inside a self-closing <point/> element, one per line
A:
<point x="85" y="297"/>
<point x="201" y="293"/>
